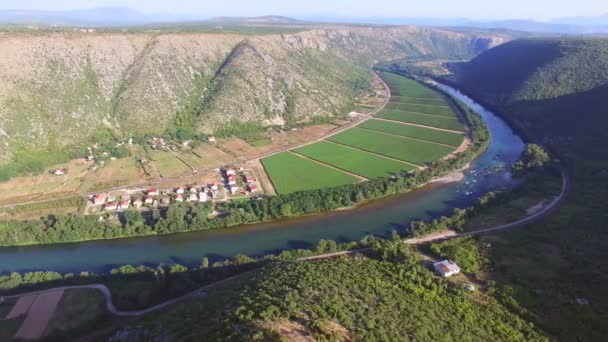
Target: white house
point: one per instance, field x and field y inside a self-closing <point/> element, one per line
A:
<point x="234" y="189"/>
<point x="446" y="268"/>
<point x="202" y="196"/>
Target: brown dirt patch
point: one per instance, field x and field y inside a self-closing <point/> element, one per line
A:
<point x="292" y="331"/>
<point x="39" y="315"/>
<point x="263" y="178"/>
<point x="337" y="332"/>
<point x="21" y="306"/>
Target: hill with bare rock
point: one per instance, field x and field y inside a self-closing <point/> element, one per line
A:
<point x="58" y="90"/>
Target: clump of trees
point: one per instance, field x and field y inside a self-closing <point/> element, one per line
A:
<point x="533" y="156"/>
<point x="467" y="252"/>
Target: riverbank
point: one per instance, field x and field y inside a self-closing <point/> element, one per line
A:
<point x="376" y="217"/>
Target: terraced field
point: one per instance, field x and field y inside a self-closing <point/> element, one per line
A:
<point x="291" y="173"/>
<point x="444" y="122"/>
<point x="402" y="148"/>
<point x="423" y="133"/>
<point x="352" y="160"/>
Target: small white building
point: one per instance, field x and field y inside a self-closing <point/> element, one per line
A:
<point x="230" y="172"/>
<point x="234" y="189"/>
<point x="192" y="198"/>
<point x="202" y="196"/>
<point x="446" y="268"/>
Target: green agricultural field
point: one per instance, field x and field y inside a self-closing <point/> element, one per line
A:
<point x="424" y="109"/>
<point x="402" y="148"/>
<point x="416" y="100"/>
<point x="356" y="161"/>
<point x="442" y="137"/>
<point x="291" y="173"/>
<point x="451" y="123"/>
<point x="403" y="86"/>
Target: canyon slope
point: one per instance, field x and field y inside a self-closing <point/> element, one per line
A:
<point x="59" y="90"/>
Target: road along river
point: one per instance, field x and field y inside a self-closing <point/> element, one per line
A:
<point x="377" y="217"/>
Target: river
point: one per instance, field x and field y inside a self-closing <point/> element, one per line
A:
<point x="378" y="217"/>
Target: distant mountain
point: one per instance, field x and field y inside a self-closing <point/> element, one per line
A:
<point x="102" y="16"/>
<point x="601" y="20"/>
<point x="268" y="19"/>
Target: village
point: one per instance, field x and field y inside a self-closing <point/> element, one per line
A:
<point x="229" y="184"/>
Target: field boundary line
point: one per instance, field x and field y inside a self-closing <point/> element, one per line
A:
<point x="378" y="154"/>
<point x="408" y="137"/>
<point x="420" y="104"/>
<point x="439" y="99"/>
<point x="361" y="178"/>
<point x="434" y="115"/>
<point x="419" y="125"/>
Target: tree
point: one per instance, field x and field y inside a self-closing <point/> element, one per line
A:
<point x="532" y="156"/>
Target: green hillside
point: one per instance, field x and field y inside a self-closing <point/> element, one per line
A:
<point x="389" y="297"/>
<point x="555" y="92"/>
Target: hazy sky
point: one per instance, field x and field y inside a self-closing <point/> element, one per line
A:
<point x="489" y="9"/>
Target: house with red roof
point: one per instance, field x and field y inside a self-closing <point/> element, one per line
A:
<point x="99" y="199"/>
<point x="124" y="205"/>
<point x="111" y="206"/>
<point x="446" y="268"/>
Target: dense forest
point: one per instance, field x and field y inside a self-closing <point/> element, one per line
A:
<point x="555" y="92"/>
<point x="387" y="296"/>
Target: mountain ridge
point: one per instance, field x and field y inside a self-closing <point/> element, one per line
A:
<point x="66" y="86"/>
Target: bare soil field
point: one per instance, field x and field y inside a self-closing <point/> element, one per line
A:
<point x="31" y="186"/>
<point x="39" y="315"/>
<point x="262" y="177"/>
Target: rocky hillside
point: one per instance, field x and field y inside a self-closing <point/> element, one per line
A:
<point x="57" y="90"/>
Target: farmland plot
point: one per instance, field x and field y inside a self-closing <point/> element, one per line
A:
<point x="356" y="161"/>
<point x="445" y="122"/>
<point x="292" y="173"/>
<point x="402" y="148"/>
<point x="424" y="109"/>
<point x="423" y="133"/>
